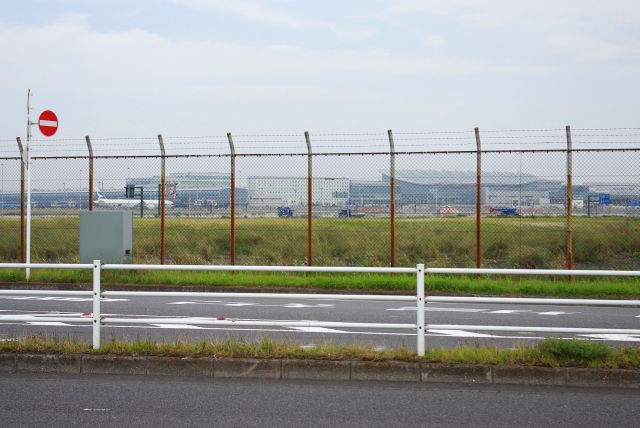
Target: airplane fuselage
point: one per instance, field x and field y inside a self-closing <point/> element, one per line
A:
<point x="128" y="203"/>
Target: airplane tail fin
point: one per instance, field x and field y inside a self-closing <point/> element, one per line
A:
<point x="100" y="195"/>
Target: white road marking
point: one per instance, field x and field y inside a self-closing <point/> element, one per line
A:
<point x="461" y="333"/>
<point x="60" y="299"/>
<point x="283" y="330"/>
<point x="555" y="313"/>
<point x="80" y="314"/>
<point x="261" y="305"/>
<point x="434" y="309"/>
<point x="614" y="337"/>
<point x="179" y="326"/>
<point x="41" y="313"/>
<point x="96" y="410"/>
<point x="428" y="333"/>
<point x="509" y="311"/>
<point x="479" y="310"/>
<point x="241" y="304"/>
<point x="233" y="329"/>
<point x="47" y="323"/>
<point x="318" y="330"/>
<point x="304" y="305"/>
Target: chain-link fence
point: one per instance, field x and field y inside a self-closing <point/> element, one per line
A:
<point x="515" y="198"/>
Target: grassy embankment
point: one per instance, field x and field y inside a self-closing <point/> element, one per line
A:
<point x="548" y="353"/>
<point x="507" y="242"/>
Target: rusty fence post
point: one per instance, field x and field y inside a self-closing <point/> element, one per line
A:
<point x="88" y="140"/>
<point x="392" y="200"/>
<point x="478" y="196"/>
<point x="309" y="200"/>
<point x="569" y="200"/>
<point x="162" y="195"/>
<point x="22" y="252"/>
<point x="232" y="192"/>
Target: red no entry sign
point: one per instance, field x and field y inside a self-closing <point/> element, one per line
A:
<point x="48" y="123"/>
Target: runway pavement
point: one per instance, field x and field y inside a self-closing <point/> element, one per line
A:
<point x="305" y="310"/>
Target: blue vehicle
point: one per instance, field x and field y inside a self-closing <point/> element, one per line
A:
<point x="504" y="211"/>
<point x="284" y="212"/>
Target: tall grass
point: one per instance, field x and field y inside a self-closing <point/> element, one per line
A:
<point x="535" y="242"/>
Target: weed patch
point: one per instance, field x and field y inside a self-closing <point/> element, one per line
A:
<point x="548" y="353"/>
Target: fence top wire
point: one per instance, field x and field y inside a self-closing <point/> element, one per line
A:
<point x="606" y="129"/>
<point x="352" y="153"/>
<point x="331" y="143"/>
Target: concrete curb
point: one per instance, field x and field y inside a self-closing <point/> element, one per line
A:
<point x="395" y="371"/>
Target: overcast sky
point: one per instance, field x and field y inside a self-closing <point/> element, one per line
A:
<point x="203" y="67"/>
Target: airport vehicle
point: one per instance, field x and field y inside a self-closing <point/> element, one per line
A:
<point x="510" y="212"/>
<point x="447" y="210"/>
<point x="284" y="212"/>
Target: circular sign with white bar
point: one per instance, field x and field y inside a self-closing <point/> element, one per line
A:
<point x="48" y="123"/>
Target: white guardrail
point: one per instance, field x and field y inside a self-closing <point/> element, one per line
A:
<point x="97" y="320"/>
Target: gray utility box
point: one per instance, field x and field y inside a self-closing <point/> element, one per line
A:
<point x="106" y="236"/>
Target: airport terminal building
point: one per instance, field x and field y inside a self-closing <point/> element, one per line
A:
<point x="292" y="191"/>
<point x="422" y="190"/>
<point x="422" y="187"/>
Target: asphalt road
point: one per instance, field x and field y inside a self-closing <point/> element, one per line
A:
<point x="80" y="401"/>
<point x="319" y="310"/>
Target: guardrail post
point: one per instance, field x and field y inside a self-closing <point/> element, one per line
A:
<point x="96" y="304"/>
<point x="420" y="309"/>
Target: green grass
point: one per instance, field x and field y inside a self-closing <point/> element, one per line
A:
<point x="536" y="242"/>
<point x="436" y="284"/>
<point x="526" y="242"/>
<point x="548" y="353"/>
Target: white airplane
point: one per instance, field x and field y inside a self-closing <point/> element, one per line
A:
<point x="102" y="201"/>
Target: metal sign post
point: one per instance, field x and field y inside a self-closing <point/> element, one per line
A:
<point x="28" y="170"/>
<point x="48" y="124"/>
